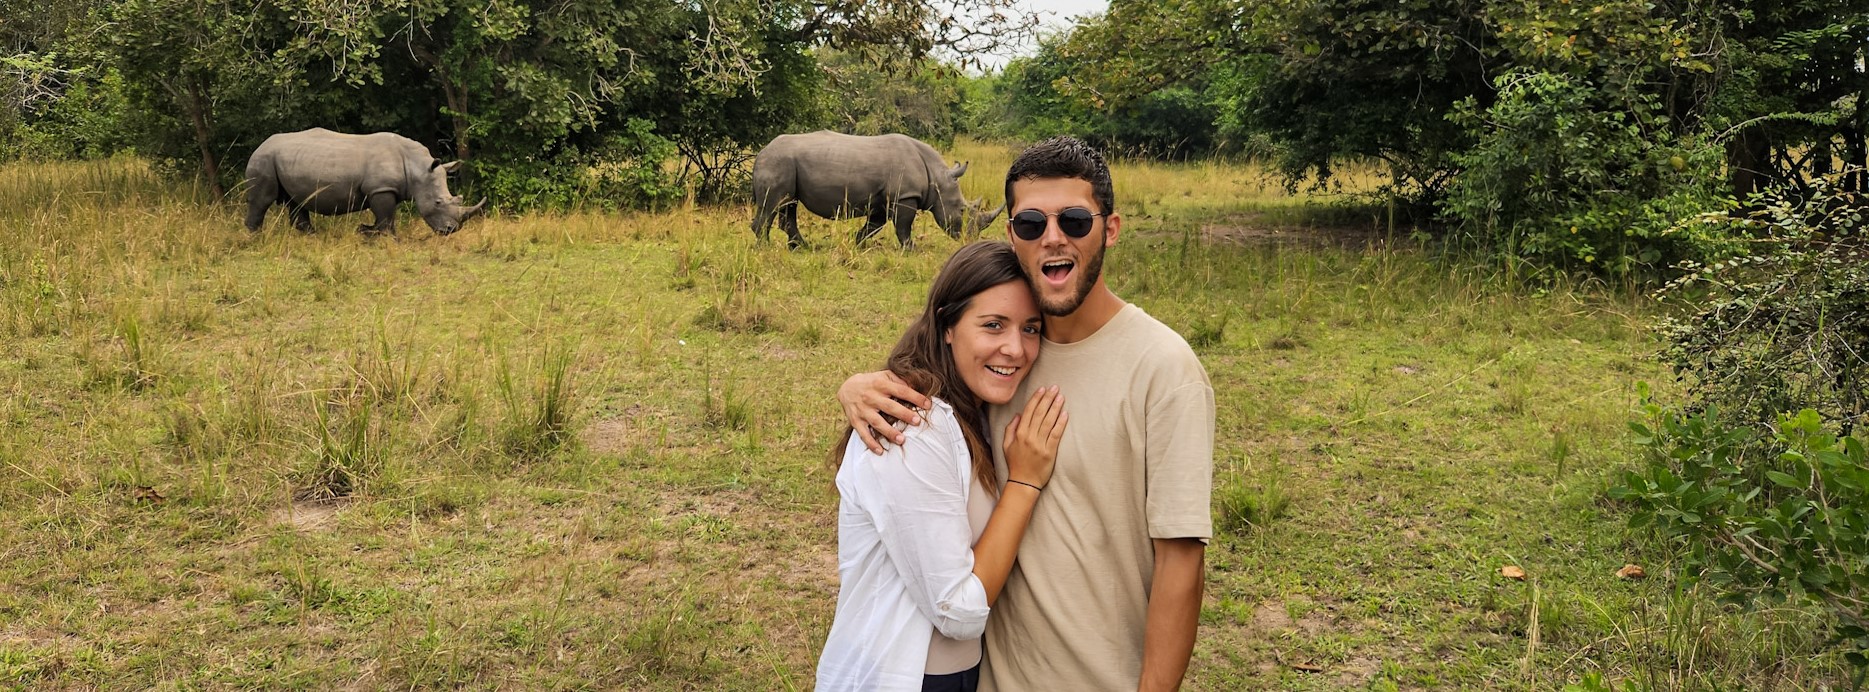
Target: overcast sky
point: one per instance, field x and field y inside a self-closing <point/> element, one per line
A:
<point x="1065" y="9"/>
<point x="1058" y="14"/>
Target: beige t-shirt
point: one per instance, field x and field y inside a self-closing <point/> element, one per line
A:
<point x="1136" y="464"/>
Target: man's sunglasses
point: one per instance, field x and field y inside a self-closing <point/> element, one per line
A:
<point x="1075" y="222"/>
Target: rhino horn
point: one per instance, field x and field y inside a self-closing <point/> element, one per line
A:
<point x="958" y="170"/>
<point x="474" y="210"/>
<point x="987" y="217"/>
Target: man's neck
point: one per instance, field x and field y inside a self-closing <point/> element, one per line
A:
<point x="1097" y="310"/>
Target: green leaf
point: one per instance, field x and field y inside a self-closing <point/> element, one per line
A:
<point x="1783" y="479"/>
<point x="1815" y="578"/>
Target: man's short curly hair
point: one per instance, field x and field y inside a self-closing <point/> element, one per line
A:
<point x="1063" y="157"/>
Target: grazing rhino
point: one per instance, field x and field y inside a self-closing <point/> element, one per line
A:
<point x="333" y="173"/>
<point x="837" y="176"/>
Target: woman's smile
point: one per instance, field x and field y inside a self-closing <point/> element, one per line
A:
<point x="995" y="341"/>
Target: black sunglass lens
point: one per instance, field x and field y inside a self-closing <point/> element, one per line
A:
<point x="1028" y="225"/>
<point x="1076" y="221"/>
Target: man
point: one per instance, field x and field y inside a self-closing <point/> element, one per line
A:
<point x="1107" y="591"/>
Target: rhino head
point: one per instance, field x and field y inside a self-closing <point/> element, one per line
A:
<point x="958" y="215"/>
<point x="444" y="211"/>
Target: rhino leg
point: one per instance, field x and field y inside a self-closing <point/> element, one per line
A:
<point x="762" y="220"/>
<point x="301" y="217"/>
<point x="788" y="220"/>
<point x="872" y="224"/>
<point x="262" y="194"/>
<point x="905" y="225"/>
<point x="383" y="206"/>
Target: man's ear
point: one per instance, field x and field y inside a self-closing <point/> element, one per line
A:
<point x="1112" y="227"/>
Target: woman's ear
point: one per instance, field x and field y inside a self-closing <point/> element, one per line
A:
<point x="947" y="337"/>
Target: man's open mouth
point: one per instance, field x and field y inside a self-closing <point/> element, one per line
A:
<point x="1056" y="270"/>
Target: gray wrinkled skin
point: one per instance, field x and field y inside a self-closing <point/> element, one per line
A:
<point x="881" y="179"/>
<point x="331" y="173"/>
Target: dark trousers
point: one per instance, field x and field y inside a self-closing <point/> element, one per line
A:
<point x="965" y="681"/>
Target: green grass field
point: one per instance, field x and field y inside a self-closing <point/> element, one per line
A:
<point x="587" y="451"/>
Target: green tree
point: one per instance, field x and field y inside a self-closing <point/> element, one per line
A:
<point x="193" y="62"/>
<point x="537" y="97"/>
<point x="1053" y="92"/>
<point x="921" y="100"/>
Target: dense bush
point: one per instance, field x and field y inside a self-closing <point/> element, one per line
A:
<point x="1045" y="95"/>
<point x="1760" y="475"/>
<point x="1783" y="325"/>
<point x="1557" y="177"/>
<point x="1764" y="515"/>
<point x="862" y="97"/>
<point x="629" y="171"/>
<point x="53" y="110"/>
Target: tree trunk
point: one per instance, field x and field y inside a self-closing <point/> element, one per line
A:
<point x="195" y="101"/>
<point x="457" y="104"/>
<point x="1853" y="160"/>
<point x="1746" y="162"/>
<point x="457" y="110"/>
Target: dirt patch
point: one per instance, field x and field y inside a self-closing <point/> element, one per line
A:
<point x="1357" y="672"/>
<point x="617" y="435"/>
<point x="776" y="352"/>
<point x="1272" y="618"/>
<point x="311" y="515"/>
<point x="607" y="436"/>
<point x="815" y="571"/>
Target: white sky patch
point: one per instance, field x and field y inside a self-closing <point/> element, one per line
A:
<point x="1055" y="16"/>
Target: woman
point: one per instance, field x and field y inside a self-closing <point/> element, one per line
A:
<point x="926" y="532"/>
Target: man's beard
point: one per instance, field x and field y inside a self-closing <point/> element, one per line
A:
<point x="1063" y="308"/>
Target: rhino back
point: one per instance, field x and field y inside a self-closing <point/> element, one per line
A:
<point x="318" y="159"/>
<point x="829" y="168"/>
<point x="941" y="186"/>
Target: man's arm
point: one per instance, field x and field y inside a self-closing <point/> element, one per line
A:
<point x="1174" y="612"/>
<point x="868" y="397"/>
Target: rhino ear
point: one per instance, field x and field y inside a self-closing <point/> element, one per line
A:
<point x="958" y="171"/>
<point x="451" y="166"/>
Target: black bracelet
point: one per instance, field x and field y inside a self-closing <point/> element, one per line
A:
<point x="1028" y="485"/>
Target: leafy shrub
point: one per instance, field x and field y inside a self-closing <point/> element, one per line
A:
<point x="1765" y="516"/>
<point x="1785" y="325"/>
<point x="627" y="172"/>
<point x="1770" y="506"/>
<point x="1046" y="95"/>
<point x="1560" y="179"/>
<point x="74" y="113"/>
<point x="921" y="100"/>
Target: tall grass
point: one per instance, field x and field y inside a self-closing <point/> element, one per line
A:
<point x="350" y="456"/>
<point x="584" y="449"/>
<point x="540" y="408"/>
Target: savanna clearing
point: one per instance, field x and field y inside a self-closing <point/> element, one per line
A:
<point x="587" y="450"/>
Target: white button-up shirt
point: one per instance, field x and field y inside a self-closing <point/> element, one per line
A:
<point x="905" y="557"/>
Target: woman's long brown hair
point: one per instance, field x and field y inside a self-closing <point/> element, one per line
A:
<point x="923" y="358"/>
